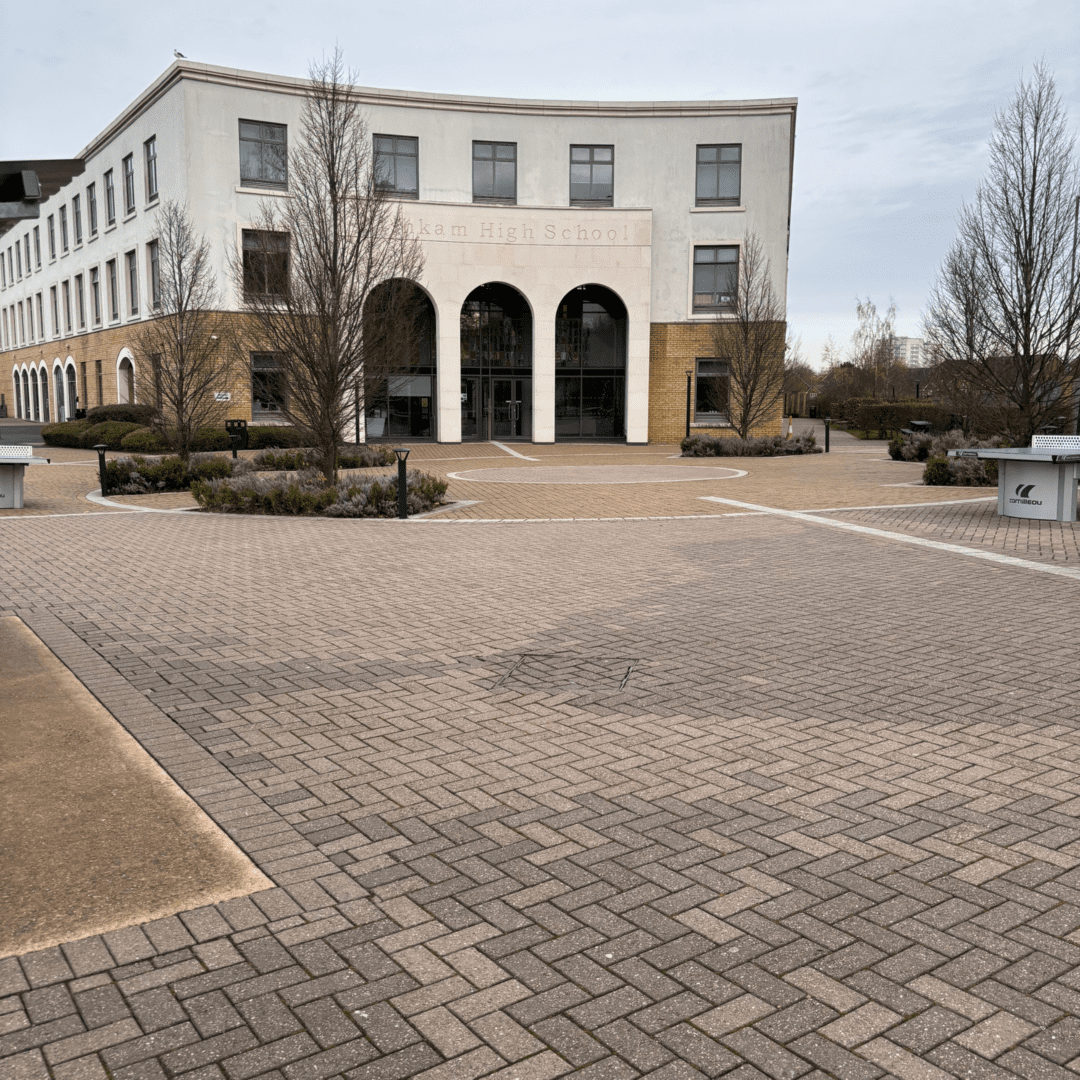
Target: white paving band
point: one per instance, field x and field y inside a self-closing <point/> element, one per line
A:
<point x="918" y="541"/>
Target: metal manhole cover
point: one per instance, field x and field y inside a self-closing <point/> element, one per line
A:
<point x="569" y="671"/>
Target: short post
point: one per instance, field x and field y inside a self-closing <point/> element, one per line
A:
<point x="356" y="413"/>
<point x="234" y="442"/>
<point x="828" y="421"/>
<point x="102" y="475"/>
<point x="402" y="452"/>
<point x="689" y="385"/>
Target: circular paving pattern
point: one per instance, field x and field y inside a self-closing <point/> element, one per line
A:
<point x="598" y="474"/>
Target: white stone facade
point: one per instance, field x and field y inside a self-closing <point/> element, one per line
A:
<point x="640" y="247"/>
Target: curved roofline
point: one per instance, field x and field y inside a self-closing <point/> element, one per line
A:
<point x="254" y="80"/>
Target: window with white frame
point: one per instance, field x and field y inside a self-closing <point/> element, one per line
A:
<point x="80" y="301"/>
<point x="129" y="184"/>
<point x="155" y="275"/>
<point x="65" y="288"/>
<point x="55" y="311"/>
<point x="37" y="246"/>
<point x="63" y="230"/>
<point x="26" y="249"/>
<point x="264" y="154"/>
<point x="132" y="261"/>
<point x="95" y="295"/>
<point x="91" y="208"/>
<point x="716" y="278"/>
<point x="150" y="150"/>
<point x="41" y="316"/>
<point x="114" y="290"/>
<point x="52" y="237"/>
<point x="76" y="218"/>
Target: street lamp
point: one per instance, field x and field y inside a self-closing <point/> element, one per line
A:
<point x="689" y="384"/>
<point x="402" y="453"/>
<point x="102" y="475"/>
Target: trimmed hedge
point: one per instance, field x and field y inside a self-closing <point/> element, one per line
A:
<point x="273" y="437"/>
<point x="69" y="434"/>
<point x="144" y="440"/>
<point x="885" y="417"/>
<point x="349" y="457"/>
<point x="307" y="494"/>
<point x="767" y="446"/>
<point x="111" y="433"/>
<point x="145" y="476"/>
<point x="140" y="415"/>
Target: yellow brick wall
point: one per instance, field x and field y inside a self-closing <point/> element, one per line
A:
<point x="105" y="345"/>
<point x="673" y="348"/>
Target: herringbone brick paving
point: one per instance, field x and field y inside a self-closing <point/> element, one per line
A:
<point x="743" y="797"/>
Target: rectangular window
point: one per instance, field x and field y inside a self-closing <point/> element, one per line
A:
<point x="100" y="388"/>
<point x="76" y="217"/>
<point x="40" y="316"/>
<point x="26" y="249"/>
<point x="11" y="266"/>
<point x="66" y="288"/>
<point x="396" y="165"/>
<point x="150" y="147"/>
<point x="95" y="295"/>
<point x="267" y="385"/>
<point x="264" y="154"/>
<point x="91" y="208"/>
<point x="18" y="259"/>
<point x="22" y="325"/>
<point x="711" y="391"/>
<point x="266" y="263"/>
<point x="82" y="369"/>
<point x="155" y="275"/>
<point x="7" y="343"/>
<point x="716" y="278"/>
<point x="30" y="316"/>
<point x="80" y="303"/>
<point x="719" y="175"/>
<point x="129" y="184"/>
<point x="52" y="237"/>
<point x="114" y="290"/>
<point x="592" y="175"/>
<point x="494" y="172"/>
<point x="63" y="229"/>
<point x="110" y="199"/>
<point x="55" y="312"/>
<point x="132" y="282"/>
<point x="3" y="271"/>
<point x="37" y="246"/>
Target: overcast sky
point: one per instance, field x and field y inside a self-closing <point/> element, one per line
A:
<point x="895" y="100"/>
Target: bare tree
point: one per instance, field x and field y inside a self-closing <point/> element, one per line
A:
<point x="189" y="346"/>
<point x="1004" y="314"/>
<point x="750" y="342"/>
<point x="872" y="348"/>
<point x="313" y="260"/>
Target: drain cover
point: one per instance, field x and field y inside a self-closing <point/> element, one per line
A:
<point x="569" y="671"/>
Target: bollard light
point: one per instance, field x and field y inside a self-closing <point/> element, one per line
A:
<point x="689" y="384"/>
<point x="402" y="452"/>
<point x="828" y="421"/>
<point x="234" y="442"/>
<point x="102" y="476"/>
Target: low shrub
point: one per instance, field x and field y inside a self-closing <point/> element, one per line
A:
<point x="349" y="457"/>
<point x="140" y="475"/>
<point x="140" y="415"/>
<point x="273" y="436"/>
<point x="69" y="434"/>
<point x="937" y="472"/>
<point x="307" y="494"/>
<point x="767" y="446"/>
<point x="943" y="470"/>
<point x="209" y="439"/>
<point x="365" y="457"/>
<point x="144" y="440"/>
<point x="111" y="433"/>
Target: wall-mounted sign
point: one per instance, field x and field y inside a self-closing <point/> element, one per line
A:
<point x="222" y="395"/>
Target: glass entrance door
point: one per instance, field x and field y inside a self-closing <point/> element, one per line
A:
<point x="496" y="407"/>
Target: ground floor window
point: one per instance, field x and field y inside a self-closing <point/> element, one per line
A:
<point x="711" y="391"/>
<point x="267" y="386"/>
<point x="400" y="406"/>
<point x="590" y="406"/>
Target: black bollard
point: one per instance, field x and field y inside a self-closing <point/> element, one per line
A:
<point x="234" y="442"/>
<point x="828" y="421"/>
<point x="402" y="453"/>
<point x="102" y="475"/>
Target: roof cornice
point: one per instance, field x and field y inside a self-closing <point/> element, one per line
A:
<point x="282" y="84"/>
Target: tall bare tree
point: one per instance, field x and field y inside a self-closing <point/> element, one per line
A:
<point x="1004" y="315"/>
<point x="872" y="347"/>
<point x="311" y="262"/>
<point x="750" y="342"/>
<point x="189" y="346"/>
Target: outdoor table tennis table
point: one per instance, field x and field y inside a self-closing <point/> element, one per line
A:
<point x="1036" y="481"/>
<point x="13" y="462"/>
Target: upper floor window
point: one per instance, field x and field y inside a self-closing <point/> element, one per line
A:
<point x="396" y="165"/>
<point x="52" y="237"/>
<point x="716" y="278"/>
<point x="266" y="263"/>
<point x="264" y="154"/>
<point x="150" y="149"/>
<point x="110" y="199"/>
<point x="37" y="246"/>
<point x="155" y="275"/>
<point x="133" y="282"/>
<point x="592" y="175"/>
<point x="494" y="172"/>
<point x="18" y="259"/>
<point x="91" y="208"/>
<point x="63" y="229"/>
<point x="114" y="290"/>
<point x="76" y="218"/>
<point x="129" y="184"/>
<point x="719" y="175"/>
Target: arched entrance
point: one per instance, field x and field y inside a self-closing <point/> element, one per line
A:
<point x="44" y="395"/>
<point x="590" y="365"/>
<point x="125" y="382"/>
<point x="496" y="364"/>
<point x="399" y="362"/>
<point x="36" y="414"/>
<point x="27" y="411"/>
<point x="16" y="379"/>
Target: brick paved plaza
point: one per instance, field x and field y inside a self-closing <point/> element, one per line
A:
<point x="721" y="793"/>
